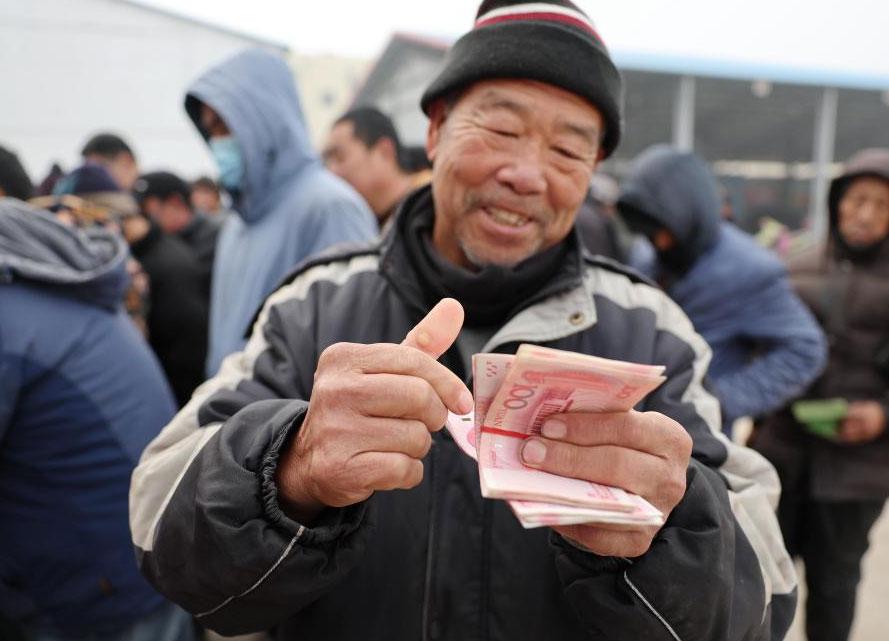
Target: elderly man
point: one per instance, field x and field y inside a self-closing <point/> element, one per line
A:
<point x="308" y="486"/>
<point x="837" y="482"/>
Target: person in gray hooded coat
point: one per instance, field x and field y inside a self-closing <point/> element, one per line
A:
<point x="288" y="205"/>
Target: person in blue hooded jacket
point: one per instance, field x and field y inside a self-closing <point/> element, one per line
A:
<point x="288" y="205"/>
<point x="81" y="395"/>
<point x="766" y="345"/>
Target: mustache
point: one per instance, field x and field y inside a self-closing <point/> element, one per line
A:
<point x="532" y="208"/>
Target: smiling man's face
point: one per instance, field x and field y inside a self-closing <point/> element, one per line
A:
<point x="512" y="162"/>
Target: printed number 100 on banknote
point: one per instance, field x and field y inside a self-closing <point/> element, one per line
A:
<point x="533" y="386"/>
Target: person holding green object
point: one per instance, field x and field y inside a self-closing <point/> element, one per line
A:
<point x="821" y="417"/>
<point x="831" y="448"/>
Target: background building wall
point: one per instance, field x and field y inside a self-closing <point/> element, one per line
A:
<point x="327" y="86"/>
<point x="70" y="69"/>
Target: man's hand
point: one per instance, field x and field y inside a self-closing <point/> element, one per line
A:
<point x="644" y="453"/>
<point x="864" y="422"/>
<point x="369" y="421"/>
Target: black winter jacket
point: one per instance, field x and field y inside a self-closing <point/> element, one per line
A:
<point x="178" y="311"/>
<point x="438" y="561"/>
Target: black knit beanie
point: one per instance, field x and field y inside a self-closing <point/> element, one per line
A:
<point x="552" y="42"/>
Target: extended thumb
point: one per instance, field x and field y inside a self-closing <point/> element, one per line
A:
<point x="438" y="330"/>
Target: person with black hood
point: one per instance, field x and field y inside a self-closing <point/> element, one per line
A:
<point x="836" y="477"/>
<point x="81" y="395"/>
<point x="766" y="346"/>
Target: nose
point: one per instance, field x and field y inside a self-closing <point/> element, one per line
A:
<point x="524" y="173"/>
<point x="868" y="211"/>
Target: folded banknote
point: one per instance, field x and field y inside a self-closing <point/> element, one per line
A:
<point x="514" y="396"/>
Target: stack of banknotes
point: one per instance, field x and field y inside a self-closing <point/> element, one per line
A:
<point x="514" y="396"/>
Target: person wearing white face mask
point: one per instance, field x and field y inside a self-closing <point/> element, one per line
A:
<point x="229" y="158"/>
<point x="288" y="206"/>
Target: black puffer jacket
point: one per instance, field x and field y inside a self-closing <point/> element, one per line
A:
<point x="438" y="561"/>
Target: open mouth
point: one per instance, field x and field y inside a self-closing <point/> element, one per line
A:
<point x="506" y="217"/>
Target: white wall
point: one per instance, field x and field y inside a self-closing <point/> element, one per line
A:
<point x="70" y="68"/>
<point x="327" y="85"/>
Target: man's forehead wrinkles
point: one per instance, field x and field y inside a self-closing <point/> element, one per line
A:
<point x="493" y="98"/>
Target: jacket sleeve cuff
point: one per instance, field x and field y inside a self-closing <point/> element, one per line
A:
<point x="332" y="524"/>
<point x="591" y="562"/>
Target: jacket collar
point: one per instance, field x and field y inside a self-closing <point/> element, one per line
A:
<point x="569" y="305"/>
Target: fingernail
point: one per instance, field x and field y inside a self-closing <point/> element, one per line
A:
<point x="466" y="402"/>
<point x="534" y="452"/>
<point x="554" y="429"/>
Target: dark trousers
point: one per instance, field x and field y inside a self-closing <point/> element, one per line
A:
<point x="830" y="537"/>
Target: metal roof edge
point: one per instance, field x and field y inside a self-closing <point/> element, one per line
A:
<point x="743" y="70"/>
<point x="439" y="43"/>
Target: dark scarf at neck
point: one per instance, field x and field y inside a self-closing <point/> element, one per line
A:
<point x="491" y="295"/>
<point x="858" y="255"/>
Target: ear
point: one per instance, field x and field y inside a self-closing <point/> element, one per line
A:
<point x="600" y="156"/>
<point x="386" y="147"/>
<point x="437" y="117"/>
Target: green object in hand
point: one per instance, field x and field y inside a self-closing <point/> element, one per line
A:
<point x="821" y="417"/>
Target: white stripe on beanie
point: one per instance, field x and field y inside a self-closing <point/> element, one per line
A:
<point x="536" y="7"/>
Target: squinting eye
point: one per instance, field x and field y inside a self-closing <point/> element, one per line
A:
<point x="567" y="153"/>
<point x="504" y="133"/>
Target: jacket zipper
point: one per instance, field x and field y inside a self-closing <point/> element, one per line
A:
<point x="453" y="361"/>
<point x="648" y="605"/>
<point x="486" y="568"/>
<point x="430" y="547"/>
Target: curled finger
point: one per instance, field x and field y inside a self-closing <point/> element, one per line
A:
<point x="401" y="359"/>
<point x="388" y="470"/>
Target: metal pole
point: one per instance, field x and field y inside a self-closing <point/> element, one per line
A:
<point x="825" y="136"/>
<point x="684" y="115"/>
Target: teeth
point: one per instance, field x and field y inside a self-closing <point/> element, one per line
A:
<point x="505" y="217"/>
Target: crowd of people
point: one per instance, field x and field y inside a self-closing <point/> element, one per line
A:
<point x="212" y="391"/>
